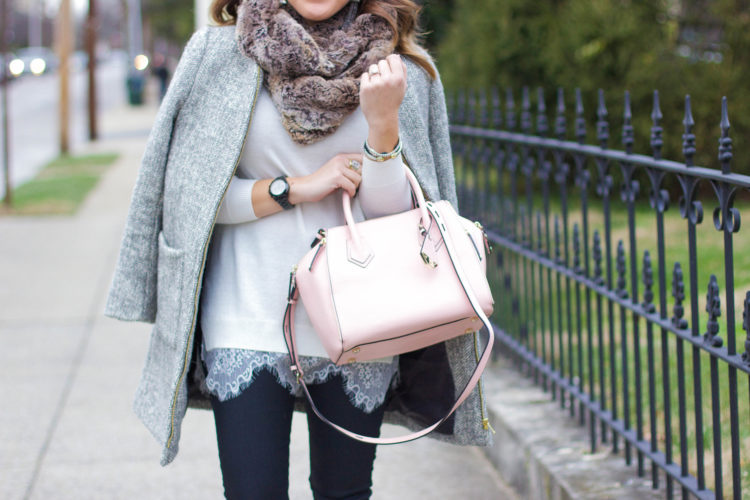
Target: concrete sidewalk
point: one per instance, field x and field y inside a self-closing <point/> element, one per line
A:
<point x="69" y="374"/>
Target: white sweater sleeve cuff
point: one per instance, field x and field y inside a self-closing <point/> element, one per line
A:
<point x="237" y="206"/>
<point x="384" y="190"/>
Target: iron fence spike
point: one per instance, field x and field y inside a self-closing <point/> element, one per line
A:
<point x="497" y="115"/>
<point x="483" y="111"/>
<point x="656" y="115"/>
<point x="725" y="142"/>
<point x="577" y="249"/>
<point x="525" y="110"/>
<point x="688" y="120"/>
<point x="627" y="113"/>
<point x="472" y="107"/>
<point x="510" y="106"/>
<point x="602" y="126"/>
<point x="621" y="267"/>
<point x="542" y="126"/>
<point x="724" y="115"/>
<point x="648" y="283"/>
<point x="688" y="138"/>
<point x="597" y="254"/>
<point x="678" y="292"/>
<point x="560" y="122"/>
<point x="627" y="127"/>
<point x="656" y="130"/>
<point x="713" y="308"/>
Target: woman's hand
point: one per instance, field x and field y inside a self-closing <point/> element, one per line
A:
<point x="381" y="92"/>
<point x="335" y="174"/>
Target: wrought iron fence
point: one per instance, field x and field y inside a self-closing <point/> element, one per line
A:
<point x="610" y="302"/>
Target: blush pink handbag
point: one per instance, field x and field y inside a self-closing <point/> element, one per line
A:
<point x="392" y="285"/>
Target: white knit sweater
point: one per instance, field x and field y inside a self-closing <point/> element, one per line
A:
<point x="247" y="274"/>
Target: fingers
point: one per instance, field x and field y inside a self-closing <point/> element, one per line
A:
<point x="385" y="68"/>
<point x="353" y="168"/>
<point x="350" y="172"/>
<point x="397" y="65"/>
<point x="349" y="186"/>
<point x="392" y="65"/>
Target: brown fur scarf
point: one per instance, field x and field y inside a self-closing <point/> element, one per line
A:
<point x="312" y="70"/>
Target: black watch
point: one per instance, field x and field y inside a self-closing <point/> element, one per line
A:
<point x="279" y="191"/>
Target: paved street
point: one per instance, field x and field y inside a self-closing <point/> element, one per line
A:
<point x="66" y="427"/>
<point x="33" y="115"/>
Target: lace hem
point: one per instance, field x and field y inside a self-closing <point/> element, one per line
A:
<point x="230" y="371"/>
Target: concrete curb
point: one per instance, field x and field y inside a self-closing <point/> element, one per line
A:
<point x="544" y="454"/>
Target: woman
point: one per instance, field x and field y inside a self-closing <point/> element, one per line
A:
<point x="268" y="117"/>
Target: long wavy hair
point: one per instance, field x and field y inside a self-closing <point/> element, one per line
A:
<point x="402" y="15"/>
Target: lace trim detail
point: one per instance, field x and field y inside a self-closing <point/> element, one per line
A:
<point x="230" y="371"/>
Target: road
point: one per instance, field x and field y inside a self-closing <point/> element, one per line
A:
<point x="33" y="116"/>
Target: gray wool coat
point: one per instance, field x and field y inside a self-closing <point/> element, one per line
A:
<point x="190" y="158"/>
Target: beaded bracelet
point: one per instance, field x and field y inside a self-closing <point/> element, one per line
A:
<point x="379" y="157"/>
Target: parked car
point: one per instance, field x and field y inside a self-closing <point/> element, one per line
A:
<point x="10" y="66"/>
<point x="37" y="60"/>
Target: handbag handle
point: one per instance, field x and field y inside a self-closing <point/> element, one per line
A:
<point x="289" y="337"/>
<point x="416" y="189"/>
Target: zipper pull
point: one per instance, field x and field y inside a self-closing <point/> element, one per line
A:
<point x="486" y="425"/>
<point x="487" y="245"/>
<point x="292" y="285"/>
<point x="320" y="237"/>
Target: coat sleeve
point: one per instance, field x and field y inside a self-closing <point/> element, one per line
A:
<point x="441" y="143"/>
<point x="132" y="295"/>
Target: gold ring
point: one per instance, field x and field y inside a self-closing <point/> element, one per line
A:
<point x="355" y="165"/>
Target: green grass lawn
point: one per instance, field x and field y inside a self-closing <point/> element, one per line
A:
<point x="60" y="187"/>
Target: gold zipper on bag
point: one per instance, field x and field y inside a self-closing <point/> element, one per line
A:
<point x="258" y="82"/>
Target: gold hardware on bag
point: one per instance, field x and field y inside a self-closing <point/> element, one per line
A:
<point x="469" y="330"/>
<point x="426" y="259"/>
<point x="356" y="350"/>
<point x="487" y="245"/>
<point x="296" y="372"/>
<point x="352" y="360"/>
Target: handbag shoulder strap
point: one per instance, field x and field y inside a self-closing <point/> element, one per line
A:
<point x="289" y="337"/>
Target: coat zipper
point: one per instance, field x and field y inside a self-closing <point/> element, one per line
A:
<point x="258" y="82"/>
<point x="485" y="421"/>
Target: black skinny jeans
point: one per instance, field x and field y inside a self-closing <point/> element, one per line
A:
<point x="253" y="436"/>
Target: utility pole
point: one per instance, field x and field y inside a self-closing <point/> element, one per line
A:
<point x="135" y="30"/>
<point x="91" y="31"/>
<point x="135" y="77"/>
<point x="64" y="37"/>
<point x="4" y="98"/>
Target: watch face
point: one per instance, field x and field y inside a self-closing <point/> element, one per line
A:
<point x="277" y="187"/>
